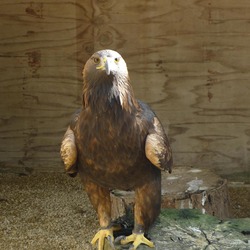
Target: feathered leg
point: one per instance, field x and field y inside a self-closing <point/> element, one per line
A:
<point x="147" y="208"/>
<point x="100" y="199"/>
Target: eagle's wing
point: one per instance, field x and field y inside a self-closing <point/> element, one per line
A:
<point x="68" y="147"/>
<point x="157" y="147"/>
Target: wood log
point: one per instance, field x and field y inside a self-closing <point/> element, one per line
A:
<point x="186" y="187"/>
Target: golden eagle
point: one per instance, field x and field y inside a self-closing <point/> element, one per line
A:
<point x="116" y="142"/>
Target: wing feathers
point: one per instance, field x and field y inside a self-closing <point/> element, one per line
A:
<point x="153" y="148"/>
<point x="157" y="148"/>
<point x="68" y="150"/>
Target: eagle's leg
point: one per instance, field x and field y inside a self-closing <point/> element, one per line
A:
<point x="100" y="199"/>
<point x="147" y="208"/>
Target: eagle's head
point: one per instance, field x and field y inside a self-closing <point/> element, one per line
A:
<point x="105" y="64"/>
<point x="106" y="82"/>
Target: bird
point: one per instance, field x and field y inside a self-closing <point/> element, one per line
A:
<point x="115" y="141"/>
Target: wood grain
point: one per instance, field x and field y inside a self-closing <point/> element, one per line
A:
<point x="39" y="82"/>
<point x="189" y="59"/>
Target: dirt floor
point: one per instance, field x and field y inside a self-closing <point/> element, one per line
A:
<point x="52" y="211"/>
<point x="45" y="211"/>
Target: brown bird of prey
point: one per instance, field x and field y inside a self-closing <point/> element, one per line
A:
<point x="116" y="142"/>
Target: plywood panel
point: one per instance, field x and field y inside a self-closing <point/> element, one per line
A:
<point x="39" y="81"/>
<point x="189" y="59"/>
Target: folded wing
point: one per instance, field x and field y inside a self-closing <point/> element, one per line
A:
<point x="68" y="150"/>
<point x="157" y="147"/>
<point x="68" y="147"/>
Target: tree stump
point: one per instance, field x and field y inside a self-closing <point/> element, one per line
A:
<point x="186" y="187"/>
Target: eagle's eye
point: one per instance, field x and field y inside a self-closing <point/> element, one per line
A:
<point x="96" y="60"/>
<point x="117" y="59"/>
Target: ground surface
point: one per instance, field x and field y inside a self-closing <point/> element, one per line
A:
<point x="52" y="211"/>
<point x="45" y="211"/>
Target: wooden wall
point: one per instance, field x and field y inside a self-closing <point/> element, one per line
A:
<point x="188" y="58"/>
<point x="40" y="86"/>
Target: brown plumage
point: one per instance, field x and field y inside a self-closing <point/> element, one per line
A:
<point x="116" y="142"/>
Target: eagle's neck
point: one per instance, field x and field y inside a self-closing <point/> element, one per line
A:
<point x="112" y="94"/>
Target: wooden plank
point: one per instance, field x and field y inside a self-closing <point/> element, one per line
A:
<point x="188" y="59"/>
<point x="39" y="82"/>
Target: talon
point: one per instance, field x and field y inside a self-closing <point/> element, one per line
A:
<point x="111" y="241"/>
<point x="100" y="237"/>
<point x="119" y="238"/>
<point x="137" y="239"/>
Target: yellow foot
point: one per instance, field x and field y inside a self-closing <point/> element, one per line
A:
<point x="100" y="237"/>
<point x="137" y="239"/>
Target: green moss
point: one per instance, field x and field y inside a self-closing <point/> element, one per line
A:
<point x="239" y="225"/>
<point x="194" y="218"/>
<point x="188" y="217"/>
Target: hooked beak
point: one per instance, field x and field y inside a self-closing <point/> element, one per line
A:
<point x="105" y="65"/>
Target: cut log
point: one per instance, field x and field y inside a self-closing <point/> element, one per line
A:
<point x="186" y="187"/>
